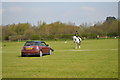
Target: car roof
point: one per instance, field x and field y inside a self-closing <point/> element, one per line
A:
<point x="36" y="41"/>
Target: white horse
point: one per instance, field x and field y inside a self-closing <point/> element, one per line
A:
<point x="77" y="41"/>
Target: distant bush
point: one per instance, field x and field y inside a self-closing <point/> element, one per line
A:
<point x="59" y="30"/>
<point x="35" y="37"/>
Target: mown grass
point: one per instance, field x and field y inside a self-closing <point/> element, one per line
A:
<point x="0" y="60"/>
<point x="95" y="59"/>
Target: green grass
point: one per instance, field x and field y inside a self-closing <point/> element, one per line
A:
<point x="0" y="60"/>
<point x="95" y="59"/>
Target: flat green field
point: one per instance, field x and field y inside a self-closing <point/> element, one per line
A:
<point x="95" y="59"/>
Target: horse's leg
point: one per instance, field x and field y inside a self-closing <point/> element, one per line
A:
<point x="79" y="45"/>
<point x="75" y="45"/>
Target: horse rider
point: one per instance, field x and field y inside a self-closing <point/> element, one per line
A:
<point x="77" y="35"/>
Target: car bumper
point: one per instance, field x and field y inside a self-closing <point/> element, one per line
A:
<point x="30" y="52"/>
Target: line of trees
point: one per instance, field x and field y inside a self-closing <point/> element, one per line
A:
<point x="59" y="30"/>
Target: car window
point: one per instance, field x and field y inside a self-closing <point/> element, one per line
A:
<point x="32" y="44"/>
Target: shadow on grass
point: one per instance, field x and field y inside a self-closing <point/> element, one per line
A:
<point x="33" y="55"/>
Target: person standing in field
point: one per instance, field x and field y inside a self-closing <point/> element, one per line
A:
<point x="98" y="36"/>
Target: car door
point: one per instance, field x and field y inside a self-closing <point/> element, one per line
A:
<point x="45" y="48"/>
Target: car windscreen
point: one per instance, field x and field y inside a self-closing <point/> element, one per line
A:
<point x="32" y="44"/>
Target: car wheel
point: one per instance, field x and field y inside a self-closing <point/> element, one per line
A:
<point x="40" y="53"/>
<point x="50" y="52"/>
<point x="22" y="55"/>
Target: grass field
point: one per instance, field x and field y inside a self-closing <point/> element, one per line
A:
<point x="95" y="59"/>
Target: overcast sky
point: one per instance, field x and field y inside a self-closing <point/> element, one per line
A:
<point x="75" y="12"/>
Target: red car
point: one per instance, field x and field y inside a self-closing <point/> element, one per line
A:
<point x="36" y="48"/>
